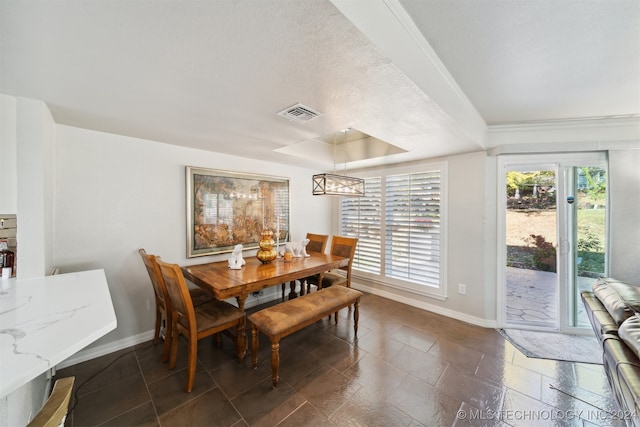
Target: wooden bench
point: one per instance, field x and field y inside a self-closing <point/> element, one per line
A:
<point x="285" y="318"/>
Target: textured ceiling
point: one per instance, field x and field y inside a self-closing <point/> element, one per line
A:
<point x="213" y="74"/>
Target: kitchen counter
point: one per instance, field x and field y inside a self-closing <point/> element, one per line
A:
<point x="45" y="320"/>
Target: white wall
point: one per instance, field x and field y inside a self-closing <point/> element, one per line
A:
<point x="624" y="209"/>
<point x="116" y="194"/>
<point x="27" y="143"/>
<point x="469" y="198"/>
<point x="35" y="136"/>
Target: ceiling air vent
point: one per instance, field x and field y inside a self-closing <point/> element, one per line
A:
<point x="300" y="113"/>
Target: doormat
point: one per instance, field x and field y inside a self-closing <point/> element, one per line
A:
<point x="555" y="346"/>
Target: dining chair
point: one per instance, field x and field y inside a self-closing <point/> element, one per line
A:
<point x="342" y="246"/>
<point x="317" y="243"/>
<point x="195" y="323"/>
<point x="198" y="296"/>
<point x="345" y="247"/>
<point x="54" y="410"/>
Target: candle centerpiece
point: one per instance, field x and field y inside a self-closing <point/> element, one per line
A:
<point x="266" y="253"/>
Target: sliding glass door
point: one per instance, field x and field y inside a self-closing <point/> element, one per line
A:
<point x="587" y="226"/>
<point x="553" y="227"/>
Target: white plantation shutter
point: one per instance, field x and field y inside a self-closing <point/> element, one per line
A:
<point x="398" y="224"/>
<point x="360" y="217"/>
<point x="412" y="215"/>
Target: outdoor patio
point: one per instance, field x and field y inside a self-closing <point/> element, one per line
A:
<point x="532" y="297"/>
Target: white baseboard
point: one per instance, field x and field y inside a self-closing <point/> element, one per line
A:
<point x="485" y="323"/>
<point x="107" y="348"/>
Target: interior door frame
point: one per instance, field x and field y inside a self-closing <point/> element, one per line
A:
<point x="559" y="163"/>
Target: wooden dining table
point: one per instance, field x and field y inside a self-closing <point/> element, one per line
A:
<point x="225" y="283"/>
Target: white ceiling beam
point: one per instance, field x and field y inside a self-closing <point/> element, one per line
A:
<point x="390" y="28"/>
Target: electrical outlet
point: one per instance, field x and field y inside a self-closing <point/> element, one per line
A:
<point x="462" y="289"/>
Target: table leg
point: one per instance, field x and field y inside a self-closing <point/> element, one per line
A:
<point x="303" y="283"/>
<point x="292" y="289"/>
<point x="243" y="326"/>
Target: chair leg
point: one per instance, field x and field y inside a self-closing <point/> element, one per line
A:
<point x="254" y="346"/>
<point x="166" y="348"/>
<point x="175" y="337"/>
<point x="356" y="316"/>
<point x="156" y="335"/>
<point x="239" y="344"/>
<point x="191" y="362"/>
<point x="284" y="285"/>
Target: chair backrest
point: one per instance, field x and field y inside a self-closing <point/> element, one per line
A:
<point x="178" y="292"/>
<point x="159" y="287"/>
<point x="317" y="242"/>
<point x="346" y="247"/>
<point x="55" y="408"/>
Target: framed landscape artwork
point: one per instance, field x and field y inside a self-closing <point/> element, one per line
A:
<point x="228" y="208"/>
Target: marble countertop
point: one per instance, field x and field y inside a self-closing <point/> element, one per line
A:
<point x="45" y="320"/>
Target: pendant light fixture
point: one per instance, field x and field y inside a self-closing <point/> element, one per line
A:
<point x="327" y="184"/>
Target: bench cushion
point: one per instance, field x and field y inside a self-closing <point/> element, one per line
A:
<point x="277" y="319"/>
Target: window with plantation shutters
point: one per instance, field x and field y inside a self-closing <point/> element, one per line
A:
<point x="360" y="217"/>
<point x="412" y="219"/>
<point x="399" y="227"/>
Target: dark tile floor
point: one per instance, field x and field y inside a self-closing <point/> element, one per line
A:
<point x="408" y="367"/>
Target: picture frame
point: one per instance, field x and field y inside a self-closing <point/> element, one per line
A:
<point x="226" y="208"/>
